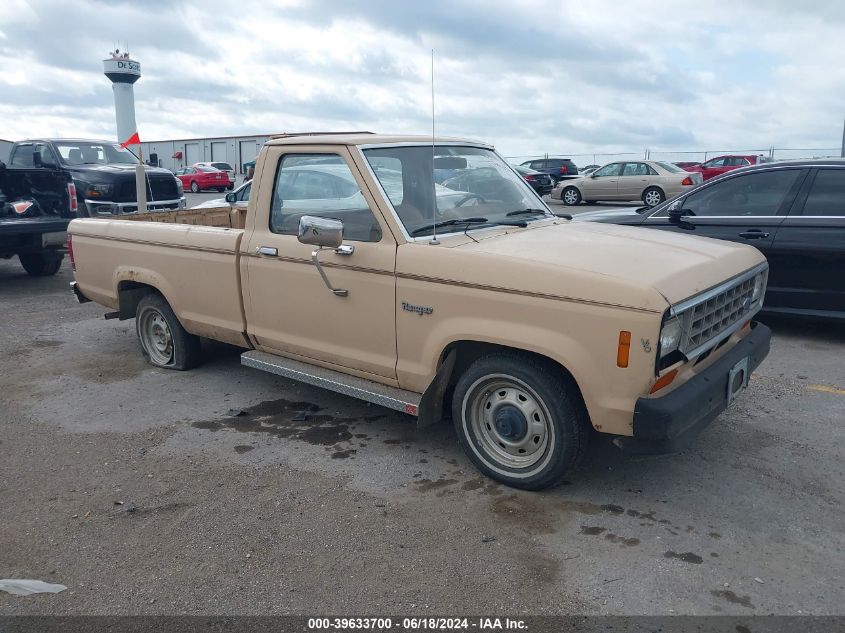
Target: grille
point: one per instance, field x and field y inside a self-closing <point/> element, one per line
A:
<point x="158" y="188"/>
<point x="706" y="320"/>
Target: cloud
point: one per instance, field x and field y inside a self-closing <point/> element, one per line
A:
<point x="532" y="77"/>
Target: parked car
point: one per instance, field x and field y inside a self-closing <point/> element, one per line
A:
<point x="647" y="180"/>
<point x="239" y="198"/>
<point x="36" y="205"/>
<point x="793" y="212"/>
<point x="531" y="329"/>
<point x="722" y="164"/>
<point x="540" y="182"/>
<point x="103" y="174"/>
<point x="225" y="167"/>
<point x="199" y="177"/>
<point x="557" y="168"/>
<point x="688" y="165"/>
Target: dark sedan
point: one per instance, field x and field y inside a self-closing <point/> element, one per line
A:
<point x="794" y="212"/>
<point x="540" y="182"/>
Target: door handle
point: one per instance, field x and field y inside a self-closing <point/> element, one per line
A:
<point x="754" y="234"/>
<point x="345" y="249"/>
<point x="267" y="251"/>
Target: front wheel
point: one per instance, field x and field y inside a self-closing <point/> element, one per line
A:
<point x="520" y="420"/>
<point x="164" y="342"/>
<point x="41" y="264"/>
<point x="570" y="196"/>
<point x="195" y="188"/>
<point x="653" y="196"/>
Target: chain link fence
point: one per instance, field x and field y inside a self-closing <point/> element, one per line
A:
<point x="698" y="156"/>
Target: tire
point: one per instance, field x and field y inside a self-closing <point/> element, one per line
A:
<point x="520" y="420"/>
<point x="570" y="196"/>
<point x="221" y="189"/>
<point x="230" y="187"/>
<point x="41" y="264"/>
<point x="195" y="188"/>
<point x="164" y="342"/>
<point x="653" y="196"/>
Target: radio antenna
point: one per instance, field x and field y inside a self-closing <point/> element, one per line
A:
<point x="434" y="239"/>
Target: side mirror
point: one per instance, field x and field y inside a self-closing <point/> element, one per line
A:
<point x="230" y="197"/>
<point x="323" y="232"/>
<point x="677" y="213"/>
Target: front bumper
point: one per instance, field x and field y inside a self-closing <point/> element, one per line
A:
<point x="670" y="423"/>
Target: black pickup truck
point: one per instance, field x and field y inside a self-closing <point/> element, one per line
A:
<point x="103" y="172"/>
<point x="35" y="208"/>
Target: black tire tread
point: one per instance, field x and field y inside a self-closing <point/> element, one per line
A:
<point x="187" y="349"/>
<point x="41" y="264"/>
<point x="561" y="396"/>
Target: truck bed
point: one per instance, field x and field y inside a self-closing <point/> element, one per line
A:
<point x="219" y="216"/>
<point x="194" y="265"/>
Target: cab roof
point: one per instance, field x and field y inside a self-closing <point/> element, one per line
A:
<point x="365" y="138"/>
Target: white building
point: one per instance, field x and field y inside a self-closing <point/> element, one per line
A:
<point x="175" y="154"/>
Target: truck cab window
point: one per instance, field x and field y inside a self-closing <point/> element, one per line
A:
<point x="321" y="185"/>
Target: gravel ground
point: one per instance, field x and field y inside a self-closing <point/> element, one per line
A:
<point x="154" y="492"/>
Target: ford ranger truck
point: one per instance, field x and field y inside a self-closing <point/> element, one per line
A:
<point x="352" y="269"/>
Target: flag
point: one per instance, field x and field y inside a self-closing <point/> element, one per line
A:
<point x="132" y="140"/>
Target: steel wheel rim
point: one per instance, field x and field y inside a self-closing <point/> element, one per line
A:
<point x="157" y="338"/>
<point x="652" y="198"/>
<point x="570" y="197"/>
<point x="494" y="397"/>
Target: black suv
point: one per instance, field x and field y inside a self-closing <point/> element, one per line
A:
<point x="103" y="172"/>
<point x="557" y="168"/>
<point x="793" y="212"/>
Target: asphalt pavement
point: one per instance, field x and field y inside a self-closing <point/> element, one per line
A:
<point x="146" y="491"/>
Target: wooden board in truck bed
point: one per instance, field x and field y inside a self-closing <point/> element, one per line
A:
<point x="224" y="217"/>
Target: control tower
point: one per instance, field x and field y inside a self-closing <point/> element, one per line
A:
<point x="123" y="73"/>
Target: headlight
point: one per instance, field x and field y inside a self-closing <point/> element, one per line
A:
<point x="179" y="187"/>
<point x="98" y="191"/>
<point x="757" y="293"/>
<point x="670" y="336"/>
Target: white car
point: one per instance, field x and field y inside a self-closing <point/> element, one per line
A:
<point x="222" y="167"/>
<point x="238" y="199"/>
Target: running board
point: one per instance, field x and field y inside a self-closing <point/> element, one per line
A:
<point x="361" y="388"/>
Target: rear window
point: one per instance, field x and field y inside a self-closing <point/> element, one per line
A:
<point x="827" y="197"/>
<point x="672" y="168"/>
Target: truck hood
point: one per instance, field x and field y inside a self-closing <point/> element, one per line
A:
<point x="607" y="263"/>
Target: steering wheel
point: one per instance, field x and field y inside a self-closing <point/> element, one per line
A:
<point x="469" y="197"/>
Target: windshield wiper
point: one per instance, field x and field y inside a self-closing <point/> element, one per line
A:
<point x="519" y="223"/>
<point x="526" y="212"/>
<point x="437" y="225"/>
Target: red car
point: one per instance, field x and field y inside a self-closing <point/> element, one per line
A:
<point x="199" y="177"/>
<point x="721" y="164"/>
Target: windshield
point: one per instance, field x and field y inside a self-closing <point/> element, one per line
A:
<point x="207" y="169"/>
<point x="87" y="153"/>
<point x="471" y="183"/>
<point x="222" y="166"/>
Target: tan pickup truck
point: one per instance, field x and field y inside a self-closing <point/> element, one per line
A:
<point x="429" y="278"/>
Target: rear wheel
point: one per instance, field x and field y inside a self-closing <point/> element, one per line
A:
<point x="221" y="189"/>
<point x="520" y="420"/>
<point x="195" y="186"/>
<point x="164" y="342"/>
<point x="41" y="264"/>
<point x="571" y="196"/>
<point x="653" y="196"/>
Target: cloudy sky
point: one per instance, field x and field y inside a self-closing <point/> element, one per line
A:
<point x="530" y="76"/>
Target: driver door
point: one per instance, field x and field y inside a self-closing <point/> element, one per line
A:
<point x="289" y="309"/>
<point x="603" y="184"/>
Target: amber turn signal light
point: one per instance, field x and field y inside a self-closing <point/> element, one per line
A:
<point x="624" y="349"/>
<point x="664" y="381"/>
